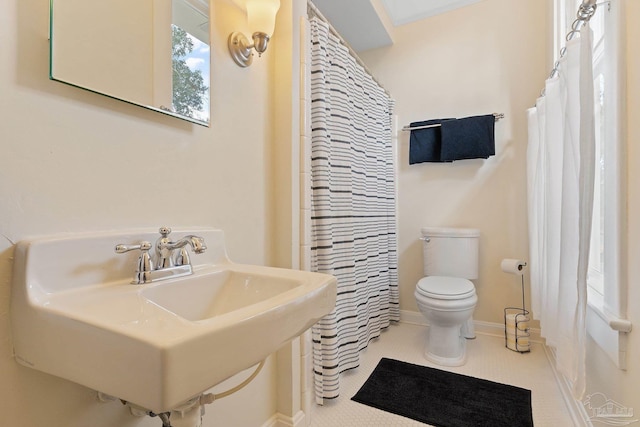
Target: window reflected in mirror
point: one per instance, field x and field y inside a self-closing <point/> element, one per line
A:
<point x="152" y="53"/>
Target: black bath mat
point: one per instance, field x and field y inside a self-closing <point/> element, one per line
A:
<point x="444" y="399"/>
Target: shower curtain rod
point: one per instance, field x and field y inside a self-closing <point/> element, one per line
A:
<point x="312" y="9"/>
<point x="585" y="12"/>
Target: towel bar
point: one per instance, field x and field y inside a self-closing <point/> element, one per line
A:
<point x="498" y="116"/>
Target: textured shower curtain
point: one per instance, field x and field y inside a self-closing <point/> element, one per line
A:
<point x="560" y="168"/>
<point x="353" y="207"/>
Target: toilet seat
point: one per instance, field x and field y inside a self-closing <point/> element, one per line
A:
<point x="446" y="288"/>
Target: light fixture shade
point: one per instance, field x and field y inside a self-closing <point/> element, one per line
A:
<point x="261" y="15"/>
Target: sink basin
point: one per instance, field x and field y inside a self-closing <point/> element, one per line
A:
<point x="216" y="293"/>
<point x="76" y="315"/>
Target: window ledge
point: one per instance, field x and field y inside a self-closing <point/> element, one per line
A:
<point x="608" y="331"/>
<point x="596" y="304"/>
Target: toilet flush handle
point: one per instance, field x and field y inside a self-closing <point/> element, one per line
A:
<point x="426" y="239"/>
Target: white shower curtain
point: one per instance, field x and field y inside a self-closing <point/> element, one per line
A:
<point x="353" y="206"/>
<point x="560" y="170"/>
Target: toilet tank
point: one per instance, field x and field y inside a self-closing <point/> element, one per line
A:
<point x="451" y="252"/>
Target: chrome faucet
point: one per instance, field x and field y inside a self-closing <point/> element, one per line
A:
<point x="171" y="259"/>
<point x="166" y="254"/>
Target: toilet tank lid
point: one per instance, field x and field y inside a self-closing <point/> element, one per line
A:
<point x="449" y="232"/>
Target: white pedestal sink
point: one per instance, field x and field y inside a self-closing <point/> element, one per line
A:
<point x="76" y="315"/>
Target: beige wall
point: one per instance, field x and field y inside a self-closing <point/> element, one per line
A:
<point x="484" y="58"/>
<point x="75" y="161"/>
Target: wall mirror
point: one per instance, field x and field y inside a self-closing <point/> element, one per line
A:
<point x="152" y="53"/>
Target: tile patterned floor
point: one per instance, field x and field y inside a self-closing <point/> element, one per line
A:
<point x="487" y="358"/>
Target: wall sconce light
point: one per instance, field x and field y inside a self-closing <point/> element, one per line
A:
<point x="261" y="15"/>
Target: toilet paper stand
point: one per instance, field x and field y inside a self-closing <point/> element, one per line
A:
<point x="516" y="325"/>
<point x="516" y="319"/>
<point x="516" y="329"/>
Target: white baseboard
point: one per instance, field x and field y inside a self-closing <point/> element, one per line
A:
<point x="412" y="317"/>
<point x="279" y="420"/>
<point x="576" y="409"/>
<point x="481" y="327"/>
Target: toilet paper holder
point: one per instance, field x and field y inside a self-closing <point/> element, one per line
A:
<point x="516" y="319"/>
<point x="516" y="329"/>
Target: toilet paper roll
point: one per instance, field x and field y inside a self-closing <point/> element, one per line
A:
<point x="513" y="266"/>
<point x="520" y="345"/>
<point x="523" y="322"/>
<point x="513" y="333"/>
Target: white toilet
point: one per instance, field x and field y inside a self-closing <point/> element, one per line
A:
<point x="447" y="297"/>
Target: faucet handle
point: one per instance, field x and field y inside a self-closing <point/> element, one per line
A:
<point x="143" y="246"/>
<point x="144" y="261"/>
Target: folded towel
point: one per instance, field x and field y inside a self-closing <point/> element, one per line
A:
<point x="424" y="144"/>
<point x="468" y="138"/>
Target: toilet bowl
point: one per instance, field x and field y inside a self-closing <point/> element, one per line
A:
<point x="447" y="303"/>
<point x="446" y="297"/>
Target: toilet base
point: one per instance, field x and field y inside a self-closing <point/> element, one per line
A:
<point x="446" y="346"/>
<point x="458" y="360"/>
<point x="468" y="329"/>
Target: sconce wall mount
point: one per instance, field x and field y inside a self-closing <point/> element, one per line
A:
<point x="241" y="50"/>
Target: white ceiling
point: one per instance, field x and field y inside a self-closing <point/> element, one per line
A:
<point x="362" y="24"/>
<point x="357" y="21"/>
<point x="405" y="11"/>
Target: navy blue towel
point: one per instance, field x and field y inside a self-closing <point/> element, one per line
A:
<point x="425" y="144"/>
<point x="468" y="138"/>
